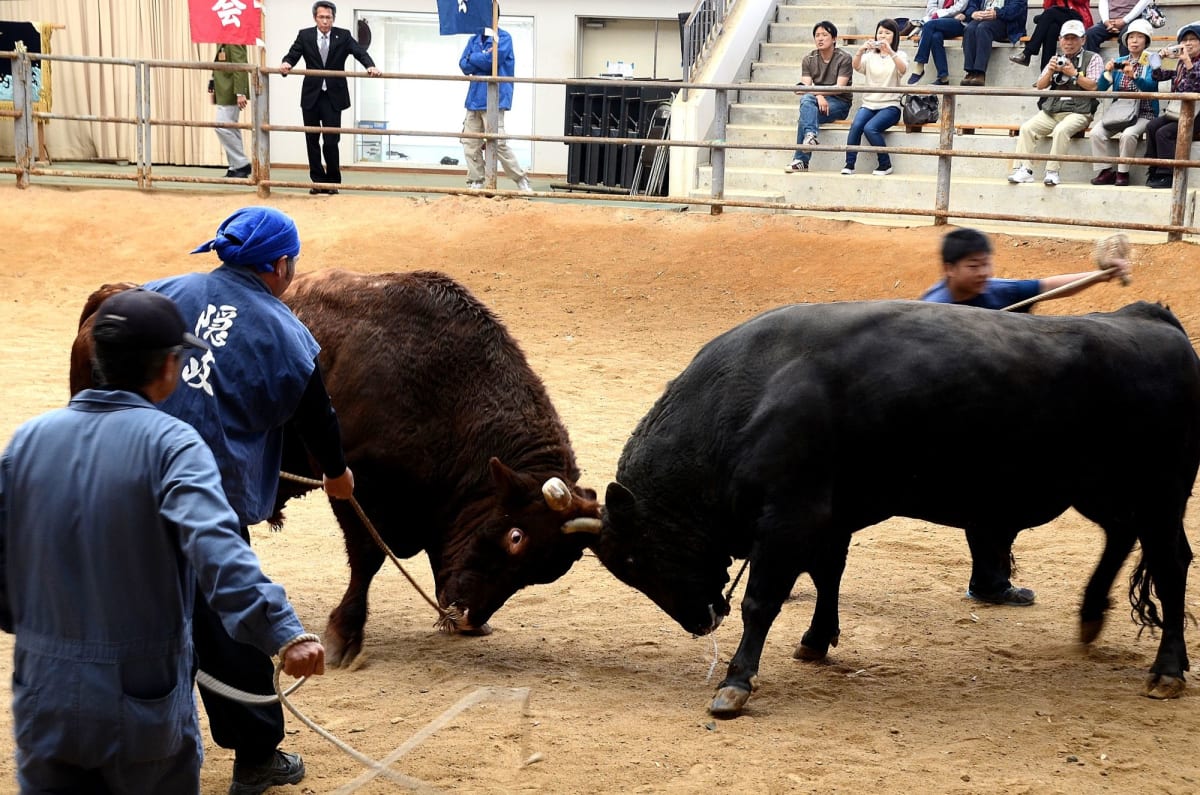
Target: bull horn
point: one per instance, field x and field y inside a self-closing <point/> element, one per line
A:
<point x="582" y="525"/>
<point x="557" y="495"/>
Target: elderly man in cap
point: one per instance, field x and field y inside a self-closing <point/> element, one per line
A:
<point x="1060" y="117"/>
<point x="259" y="372"/>
<point x="112" y="524"/>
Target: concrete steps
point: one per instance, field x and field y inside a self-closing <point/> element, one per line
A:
<point x="1133" y="204"/>
<point x="760" y="116"/>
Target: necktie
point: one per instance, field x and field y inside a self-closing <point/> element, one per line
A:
<point x="324" y="48"/>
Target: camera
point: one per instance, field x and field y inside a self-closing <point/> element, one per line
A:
<point x="873" y="44"/>
<point x="1061" y="60"/>
<point x="1174" y="50"/>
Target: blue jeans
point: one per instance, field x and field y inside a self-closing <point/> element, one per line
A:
<point x="873" y="123"/>
<point x="811" y="118"/>
<point x="933" y="35"/>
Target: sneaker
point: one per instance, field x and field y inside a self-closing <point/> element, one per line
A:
<point x="239" y="173"/>
<point x="1009" y="597"/>
<point x="1019" y="58"/>
<point x="1051" y="178"/>
<point x="1106" y="177"/>
<point x="475" y="184"/>
<point x="282" y="768"/>
<point x="882" y="172"/>
<point x="796" y="166"/>
<point x="1020" y="174"/>
<point x="810" y="139"/>
<point x="848" y="171"/>
<point x="1122" y="179"/>
<point x="524" y="186"/>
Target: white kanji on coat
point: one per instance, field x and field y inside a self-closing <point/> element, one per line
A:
<point x="213" y="327"/>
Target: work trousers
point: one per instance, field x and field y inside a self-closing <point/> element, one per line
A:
<point x="231" y="139"/>
<point x="475" y="122"/>
<point x="1058" y="127"/>
<point x="254" y="731"/>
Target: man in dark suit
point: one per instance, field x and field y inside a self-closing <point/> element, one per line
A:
<point x="322" y="100"/>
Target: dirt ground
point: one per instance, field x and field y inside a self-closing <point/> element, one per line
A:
<point x="926" y="693"/>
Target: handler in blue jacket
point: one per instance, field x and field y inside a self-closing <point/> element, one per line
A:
<point x="967" y="280"/>
<point x="259" y="372"/>
<point x="111" y="517"/>
<point x="477" y="60"/>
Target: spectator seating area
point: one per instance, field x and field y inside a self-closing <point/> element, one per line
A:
<point x="986" y="123"/>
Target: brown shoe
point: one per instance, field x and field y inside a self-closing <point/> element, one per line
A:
<point x="1122" y="179"/>
<point x="1107" y="177"/>
<point x="972" y="79"/>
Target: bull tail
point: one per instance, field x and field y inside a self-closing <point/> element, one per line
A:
<point x="1142" y="596"/>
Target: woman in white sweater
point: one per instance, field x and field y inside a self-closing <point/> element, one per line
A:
<point x="881" y="65"/>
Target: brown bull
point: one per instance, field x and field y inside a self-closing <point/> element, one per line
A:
<point x="456" y="448"/>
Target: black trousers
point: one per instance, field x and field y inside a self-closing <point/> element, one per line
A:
<point x="323" y="114"/>
<point x="1161" y="136"/>
<point x="991" y="560"/>
<point x="1045" y="31"/>
<point x="252" y="731"/>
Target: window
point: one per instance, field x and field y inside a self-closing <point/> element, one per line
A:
<point x="408" y="42"/>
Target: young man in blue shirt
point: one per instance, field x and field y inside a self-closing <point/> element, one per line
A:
<point x="967" y="280"/>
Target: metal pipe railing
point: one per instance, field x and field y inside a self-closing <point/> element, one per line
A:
<point x="261" y="130"/>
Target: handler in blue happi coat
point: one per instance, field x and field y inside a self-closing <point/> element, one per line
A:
<point x="112" y="517"/>
<point x="259" y="372"/>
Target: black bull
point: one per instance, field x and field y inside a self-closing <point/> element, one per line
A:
<point x="794" y="430"/>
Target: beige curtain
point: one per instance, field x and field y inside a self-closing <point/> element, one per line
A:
<point x="151" y="29"/>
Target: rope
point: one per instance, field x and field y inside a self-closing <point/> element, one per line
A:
<point x="446" y="617"/>
<point x="736" y="580"/>
<point x="379" y="768"/>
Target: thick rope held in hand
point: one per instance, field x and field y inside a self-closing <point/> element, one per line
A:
<point x="446" y="618"/>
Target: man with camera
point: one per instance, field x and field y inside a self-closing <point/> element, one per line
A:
<point x="1060" y="117"/>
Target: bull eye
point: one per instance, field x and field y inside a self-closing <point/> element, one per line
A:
<point x="515" y="539"/>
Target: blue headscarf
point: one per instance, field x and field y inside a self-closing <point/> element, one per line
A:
<point x="254" y="237"/>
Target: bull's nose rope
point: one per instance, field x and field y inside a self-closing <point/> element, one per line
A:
<point x="445" y="617"/>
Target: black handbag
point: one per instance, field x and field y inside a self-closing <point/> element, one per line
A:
<point x="919" y="109"/>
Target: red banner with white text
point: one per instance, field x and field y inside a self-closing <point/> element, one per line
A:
<point x="226" y="21"/>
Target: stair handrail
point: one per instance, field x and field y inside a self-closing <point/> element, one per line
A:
<point x="701" y="30"/>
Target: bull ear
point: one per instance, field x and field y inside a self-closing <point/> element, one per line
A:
<point x="619" y="500"/>
<point x="514" y="489"/>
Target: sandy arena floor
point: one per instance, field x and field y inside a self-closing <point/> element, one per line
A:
<point x="926" y="693"/>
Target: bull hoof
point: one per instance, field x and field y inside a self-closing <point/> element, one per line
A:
<point x="808" y="654"/>
<point x="339" y="653"/>
<point x="728" y="702"/>
<point x="477" y="632"/>
<point x="1162" y="686"/>
<point x="1090" y="630"/>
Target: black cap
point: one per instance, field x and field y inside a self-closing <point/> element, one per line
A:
<point x="141" y="320"/>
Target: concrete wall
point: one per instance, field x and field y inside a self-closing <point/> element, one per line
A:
<point x="556" y="33"/>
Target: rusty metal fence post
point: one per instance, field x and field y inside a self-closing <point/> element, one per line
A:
<point x="22" y="72"/>
<point x="260" y="139"/>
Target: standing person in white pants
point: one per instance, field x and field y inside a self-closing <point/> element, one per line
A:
<point x="229" y="91"/>
<point x="477" y="60"/>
